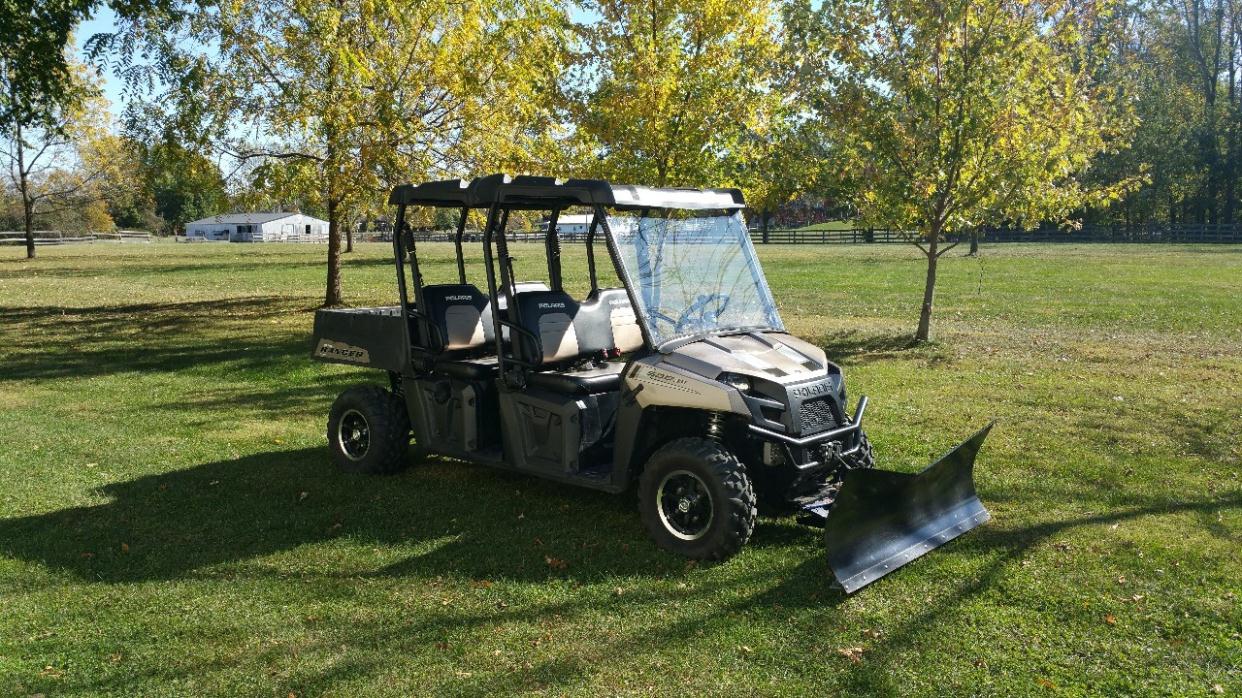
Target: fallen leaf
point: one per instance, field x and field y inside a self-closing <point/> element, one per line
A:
<point x="618" y="591"/>
<point x="555" y="563"/>
<point x="303" y="495"/>
<point x="1110" y="619"/>
<point x="874" y="633"/>
<point x="854" y="654"/>
<point x="87" y="555"/>
<point x="442" y="646"/>
<point x="124" y="547"/>
<point x="1218" y="689"/>
<point x="496" y="653"/>
<point x="1121" y="579"/>
<point x="1046" y="683"/>
<point x="745" y="650"/>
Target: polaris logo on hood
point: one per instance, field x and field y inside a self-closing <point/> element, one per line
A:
<point x="805" y="391"/>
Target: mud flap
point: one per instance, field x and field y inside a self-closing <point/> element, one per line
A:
<point x="882" y="520"/>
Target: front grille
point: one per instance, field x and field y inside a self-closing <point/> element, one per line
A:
<point x="817" y="415"/>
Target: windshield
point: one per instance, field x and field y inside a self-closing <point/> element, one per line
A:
<point x="693" y="274"/>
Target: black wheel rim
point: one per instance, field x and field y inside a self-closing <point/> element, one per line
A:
<point x="685" y="505"/>
<point x="353" y="435"/>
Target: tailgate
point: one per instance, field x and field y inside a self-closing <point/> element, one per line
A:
<point x="373" y="337"/>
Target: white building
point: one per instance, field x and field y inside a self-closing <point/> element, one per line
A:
<point x="258" y="227"/>
<point x="572" y="223"/>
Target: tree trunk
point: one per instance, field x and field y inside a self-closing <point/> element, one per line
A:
<point x="24" y="185"/>
<point x="929" y="289"/>
<point x="349" y="236"/>
<point x="766" y="217"/>
<point x="333" y="296"/>
<point x="974" y="243"/>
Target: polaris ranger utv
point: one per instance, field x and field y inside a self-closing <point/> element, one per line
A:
<point x="683" y="382"/>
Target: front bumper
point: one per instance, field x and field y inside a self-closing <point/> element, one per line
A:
<point x="818" y="450"/>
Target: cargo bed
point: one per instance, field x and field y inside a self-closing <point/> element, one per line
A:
<point x="372" y="337"/>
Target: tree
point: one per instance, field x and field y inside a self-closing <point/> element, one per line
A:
<point x="960" y="113"/>
<point x="185" y="185"/>
<point x="47" y="150"/>
<point x="360" y="94"/>
<point x="664" y="93"/>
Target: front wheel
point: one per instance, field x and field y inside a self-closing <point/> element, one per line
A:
<point x="369" y="431"/>
<point x="696" y="499"/>
<point x="861" y="459"/>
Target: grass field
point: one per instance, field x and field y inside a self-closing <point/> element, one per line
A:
<point x="170" y="523"/>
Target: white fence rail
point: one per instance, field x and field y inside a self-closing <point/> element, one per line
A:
<point x="55" y="237"/>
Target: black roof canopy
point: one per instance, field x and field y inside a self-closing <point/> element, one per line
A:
<point x="452" y="193"/>
<point x="530" y="192"/>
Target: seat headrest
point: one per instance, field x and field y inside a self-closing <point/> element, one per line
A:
<point x="456" y="311"/>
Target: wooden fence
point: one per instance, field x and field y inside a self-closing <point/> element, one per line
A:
<point x="1176" y="233"/>
<point x="55" y="237"/>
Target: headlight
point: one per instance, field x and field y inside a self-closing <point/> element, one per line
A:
<point x="734" y="380"/>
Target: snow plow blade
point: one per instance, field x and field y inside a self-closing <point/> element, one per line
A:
<point x="882" y="520"/>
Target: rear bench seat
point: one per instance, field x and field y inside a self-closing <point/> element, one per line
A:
<point x="569" y="331"/>
<point x="456" y="323"/>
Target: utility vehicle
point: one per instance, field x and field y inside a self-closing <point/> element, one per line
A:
<point x="680" y="382"/>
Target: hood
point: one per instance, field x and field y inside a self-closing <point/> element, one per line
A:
<point x="772" y="356"/>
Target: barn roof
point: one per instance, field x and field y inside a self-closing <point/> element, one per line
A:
<point x="242" y="218"/>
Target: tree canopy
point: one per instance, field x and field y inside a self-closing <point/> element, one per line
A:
<point x="951" y="115"/>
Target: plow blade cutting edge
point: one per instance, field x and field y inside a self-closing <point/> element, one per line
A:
<point x="882" y="520"/>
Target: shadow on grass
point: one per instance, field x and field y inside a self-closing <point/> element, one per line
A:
<point x="477" y="523"/>
<point x="855" y="348"/>
<point x="48" y="342"/>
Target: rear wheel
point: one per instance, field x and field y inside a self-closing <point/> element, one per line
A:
<point x="369" y="431"/>
<point x="696" y="499"/>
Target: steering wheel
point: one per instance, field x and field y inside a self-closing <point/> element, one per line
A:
<point x="698" y="314"/>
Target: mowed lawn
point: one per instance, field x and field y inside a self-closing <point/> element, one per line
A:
<point x="170" y="523"/>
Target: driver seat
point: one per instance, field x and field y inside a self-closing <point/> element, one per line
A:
<point x="566" y="332"/>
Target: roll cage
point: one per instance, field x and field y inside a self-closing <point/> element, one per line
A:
<point x="549" y="194"/>
<point x="500" y="195"/>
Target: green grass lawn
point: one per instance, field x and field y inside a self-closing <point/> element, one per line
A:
<point x="170" y="523"/>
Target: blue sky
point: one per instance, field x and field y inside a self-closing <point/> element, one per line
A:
<point x="103" y="21"/>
